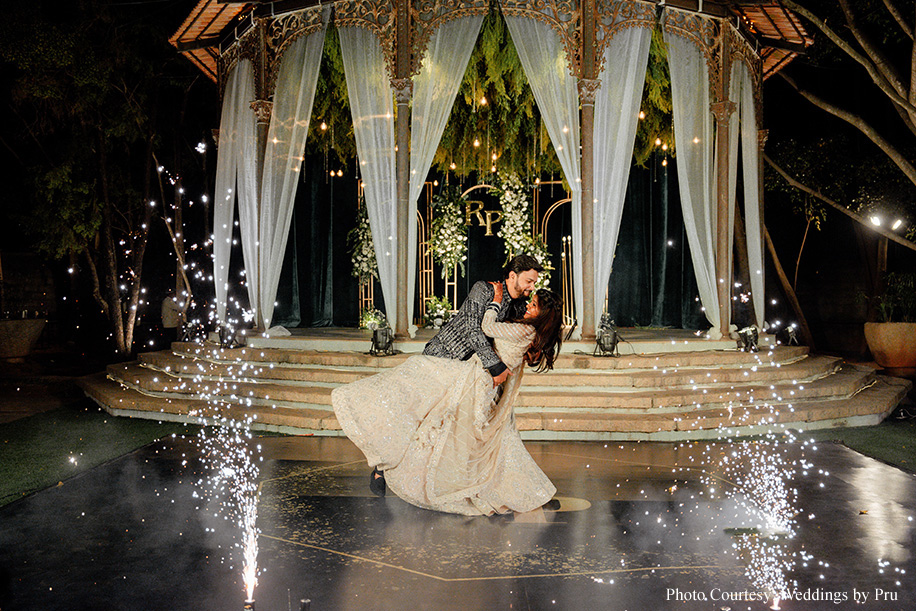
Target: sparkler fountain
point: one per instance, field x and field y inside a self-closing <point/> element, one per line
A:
<point x="227" y="452"/>
<point x="233" y="484"/>
<point x="757" y="474"/>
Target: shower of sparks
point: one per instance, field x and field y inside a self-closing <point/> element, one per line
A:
<point x="232" y="483"/>
<point x="226" y="447"/>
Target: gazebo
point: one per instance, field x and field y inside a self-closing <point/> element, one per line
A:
<point x="586" y="63"/>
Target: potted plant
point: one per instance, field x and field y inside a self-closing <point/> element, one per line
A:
<point x="438" y="311"/>
<point x="892" y="340"/>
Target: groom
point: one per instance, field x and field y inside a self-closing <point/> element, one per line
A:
<point x="462" y="336"/>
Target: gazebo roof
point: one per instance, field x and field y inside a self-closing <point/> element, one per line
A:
<point x="776" y="32"/>
<point x="199" y="36"/>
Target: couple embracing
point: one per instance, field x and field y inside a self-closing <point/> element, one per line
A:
<point x="439" y="429"/>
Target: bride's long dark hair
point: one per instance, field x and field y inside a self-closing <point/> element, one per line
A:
<point x="548" y="331"/>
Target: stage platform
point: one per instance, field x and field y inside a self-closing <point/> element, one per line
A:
<point x="665" y="385"/>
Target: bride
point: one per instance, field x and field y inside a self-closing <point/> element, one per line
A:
<point x="442" y="435"/>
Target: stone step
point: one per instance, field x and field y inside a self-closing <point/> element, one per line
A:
<point x="762" y="369"/>
<point x="806" y="368"/>
<point x="120" y="400"/>
<point x="843" y="383"/>
<point x="185" y="367"/>
<point x="566" y="360"/>
<point x="157" y="383"/>
<point x="867" y="407"/>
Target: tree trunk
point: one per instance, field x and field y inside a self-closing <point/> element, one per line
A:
<point x="790" y="292"/>
<point x="801" y="249"/>
<point x="109" y="256"/>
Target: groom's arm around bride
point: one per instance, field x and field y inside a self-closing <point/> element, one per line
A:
<point x="462" y="336"/>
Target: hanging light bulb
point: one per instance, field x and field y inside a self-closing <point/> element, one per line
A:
<point x="492" y="168"/>
<point x="642" y="115"/>
<point x="452" y="166"/>
<point x="696" y="140"/>
<point x="483" y="100"/>
<point x="658" y="142"/>
<point x="476" y="142"/>
<point x="324" y="126"/>
<point x="665" y="146"/>
<point x="665" y="162"/>
<point x="494" y="156"/>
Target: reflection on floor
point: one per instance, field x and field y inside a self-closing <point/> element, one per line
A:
<point x="641" y="526"/>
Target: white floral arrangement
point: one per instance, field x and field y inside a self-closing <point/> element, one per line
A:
<point x="438" y="311"/>
<point x="448" y="240"/>
<point x="516" y="225"/>
<point x="362" y="249"/>
<point x="372" y="319"/>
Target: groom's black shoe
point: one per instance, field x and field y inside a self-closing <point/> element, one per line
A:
<point x="377" y="483"/>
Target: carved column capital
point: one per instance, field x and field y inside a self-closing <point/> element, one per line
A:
<point x="723" y="110"/>
<point x="762" y="135"/>
<point x="403" y="90"/>
<point x="262" y="110"/>
<point x="588" y="89"/>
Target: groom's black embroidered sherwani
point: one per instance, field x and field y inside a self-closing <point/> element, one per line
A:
<point x="462" y="336"/>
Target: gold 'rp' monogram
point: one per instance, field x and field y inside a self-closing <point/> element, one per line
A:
<point x="485" y="218"/>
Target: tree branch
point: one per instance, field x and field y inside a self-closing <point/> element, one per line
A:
<point x="898" y="17"/>
<point x="802" y="187"/>
<point x="856" y="121"/>
<point x="895" y="95"/>
<point x="880" y="60"/>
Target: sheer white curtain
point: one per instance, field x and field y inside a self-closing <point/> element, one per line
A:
<point x="371" y="103"/>
<point x="744" y="122"/>
<point x="555" y="91"/>
<point x="616" y="118"/>
<point x="434" y="91"/>
<point x="236" y="175"/>
<point x="289" y="123"/>
<point x="695" y="138"/>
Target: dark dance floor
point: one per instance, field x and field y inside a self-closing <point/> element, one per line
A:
<point x="641" y="526"/>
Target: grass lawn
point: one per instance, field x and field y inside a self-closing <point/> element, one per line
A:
<point x="42" y="450"/>
<point x="893" y="441"/>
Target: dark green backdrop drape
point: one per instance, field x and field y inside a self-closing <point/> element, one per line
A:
<point x="652" y="282"/>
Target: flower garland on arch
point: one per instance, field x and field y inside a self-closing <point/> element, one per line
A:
<point x="516" y="225"/>
<point x="362" y="250"/>
<point x="448" y="239"/>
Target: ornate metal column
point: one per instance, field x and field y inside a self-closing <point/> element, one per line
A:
<point x="762" y="135"/>
<point x="722" y="109"/>
<point x="403" y="89"/>
<point x="588" y="86"/>
<point x="262" y="110"/>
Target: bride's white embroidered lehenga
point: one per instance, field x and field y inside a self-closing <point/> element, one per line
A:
<point x="432" y="425"/>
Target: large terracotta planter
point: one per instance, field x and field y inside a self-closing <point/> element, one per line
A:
<point x="19" y="336"/>
<point x="893" y="344"/>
